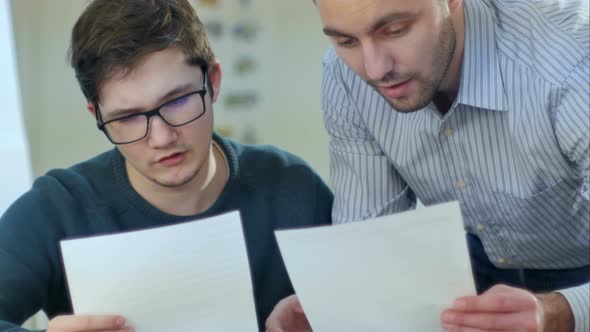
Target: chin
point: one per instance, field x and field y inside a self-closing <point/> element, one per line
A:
<point x="410" y="103"/>
<point x="408" y="106"/>
<point x="176" y="181"/>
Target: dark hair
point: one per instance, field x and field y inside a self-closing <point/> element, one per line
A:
<point x="114" y="35"/>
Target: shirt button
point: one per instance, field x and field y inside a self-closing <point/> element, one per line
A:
<point x="461" y="184"/>
<point x="449" y="132"/>
<point x="480" y="227"/>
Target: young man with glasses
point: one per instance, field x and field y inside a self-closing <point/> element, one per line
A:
<point x="150" y="79"/>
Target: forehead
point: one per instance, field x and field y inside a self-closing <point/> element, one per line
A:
<point x="360" y="14"/>
<point x="155" y="75"/>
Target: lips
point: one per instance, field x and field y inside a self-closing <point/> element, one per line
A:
<point x="172" y="159"/>
<point x="396" y="90"/>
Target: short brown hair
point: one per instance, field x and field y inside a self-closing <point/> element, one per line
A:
<point x="113" y="35"/>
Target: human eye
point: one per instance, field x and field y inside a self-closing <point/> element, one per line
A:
<point x="394" y="30"/>
<point x="130" y="119"/>
<point x="345" y="42"/>
<point x="180" y="101"/>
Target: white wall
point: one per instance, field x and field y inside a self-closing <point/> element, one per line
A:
<point x="60" y="130"/>
<point x="15" y="168"/>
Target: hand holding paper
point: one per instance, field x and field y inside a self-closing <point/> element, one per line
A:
<point x="88" y="323"/>
<point x="187" y="277"/>
<point x="288" y="316"/>
<point x="394" y="273"/>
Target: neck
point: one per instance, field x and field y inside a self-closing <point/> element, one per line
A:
<point x="449" y="87"/>
<point x="192" y="198"/>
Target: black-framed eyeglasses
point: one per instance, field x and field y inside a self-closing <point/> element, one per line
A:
<point x="177" y="112"/>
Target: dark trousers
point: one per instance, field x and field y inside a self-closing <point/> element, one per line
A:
<point x="487" y="275"/>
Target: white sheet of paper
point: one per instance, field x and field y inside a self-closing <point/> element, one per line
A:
<point x="393" y="273"/>
<point x="192" y="276"/>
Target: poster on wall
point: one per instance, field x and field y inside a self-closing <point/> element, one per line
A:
<point x="241" y="40"/>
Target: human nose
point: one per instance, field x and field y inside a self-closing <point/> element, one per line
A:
<point x="378" y="63"/>
<point x="160" y="133"/>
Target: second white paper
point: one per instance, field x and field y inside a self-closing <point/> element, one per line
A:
<point x="187" y="277"/>
<point x="393" y="273"/>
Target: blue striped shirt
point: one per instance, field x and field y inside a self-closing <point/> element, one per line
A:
<point x="513" y="149"/>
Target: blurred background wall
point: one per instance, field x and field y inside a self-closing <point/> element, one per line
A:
<point x="15" y="171"/>
<point x="280" y="41"/>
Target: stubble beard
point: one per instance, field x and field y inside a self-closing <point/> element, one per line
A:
<point x="441" y="64"/>
<point x="178" y="183"/>
<point x="171" y="184"/>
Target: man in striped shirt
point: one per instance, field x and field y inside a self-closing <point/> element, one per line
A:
<point x="481" y="101"/>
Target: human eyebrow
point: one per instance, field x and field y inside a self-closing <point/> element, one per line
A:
<point x="175" y="93"/>
<point x="331" y="32"/>
<point x="120" y="113"/>
<point x="161" y="101"/>
<point x="387" y="19"/>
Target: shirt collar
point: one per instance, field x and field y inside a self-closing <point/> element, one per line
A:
<point x="481" y="80"/>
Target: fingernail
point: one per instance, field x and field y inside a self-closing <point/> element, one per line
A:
<point x="448" y="317"/>
<point x="460" y="304"/>
<point x="447" y="327"/>
<point x="120" y="321"/>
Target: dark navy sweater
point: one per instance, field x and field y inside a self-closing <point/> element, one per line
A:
<point x="271" y="188"/>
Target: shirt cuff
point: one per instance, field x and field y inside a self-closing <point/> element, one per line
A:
<point x="579" y="300"/>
